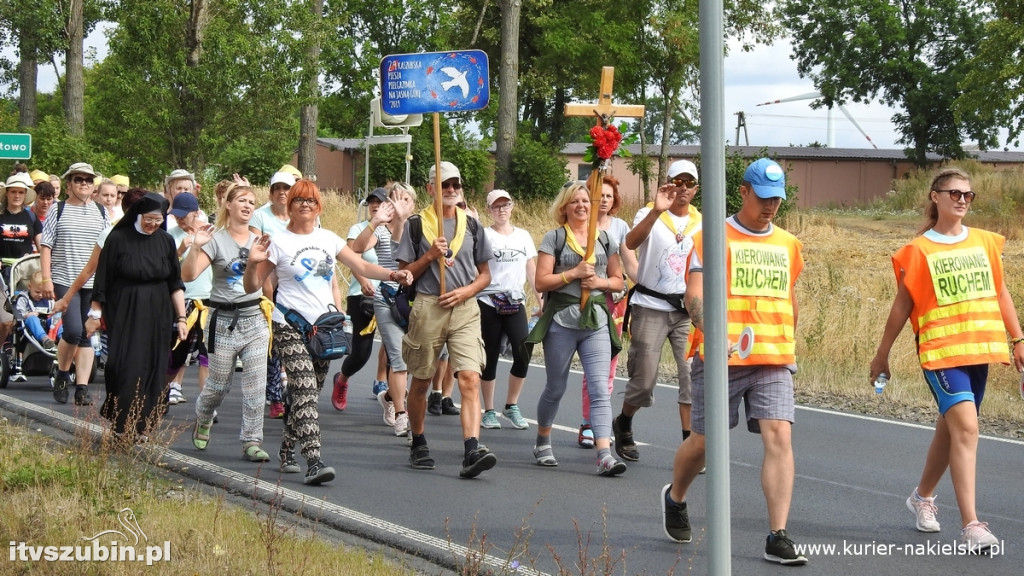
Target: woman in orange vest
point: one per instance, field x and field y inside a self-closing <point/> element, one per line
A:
<point x="950" y="286"/>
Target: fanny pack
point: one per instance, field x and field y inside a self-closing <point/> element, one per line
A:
<point x="325" y="339"/>
<point x="399" y="301"/>
<point x="505" y="303"/>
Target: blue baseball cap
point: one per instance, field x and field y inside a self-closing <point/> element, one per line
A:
<point x="184" y="204"/>
<point x="767" y="178"/>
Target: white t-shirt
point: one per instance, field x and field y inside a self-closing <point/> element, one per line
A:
<point x="305" y="268"/>
<point x="662" y="260"/>
<point x="508" y="265"/>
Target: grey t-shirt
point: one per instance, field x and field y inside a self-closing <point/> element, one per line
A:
<point x="462" y="273"/>
<point x="228" y="261"/>
<point x="569" y="317"/>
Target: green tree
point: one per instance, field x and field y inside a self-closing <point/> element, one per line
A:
<point x="186" y="81"/>
<point x="913" y="54"/>
<point x="994" y="85"/>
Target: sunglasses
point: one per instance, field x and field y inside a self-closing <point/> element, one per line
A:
<point x="956" y="195"/>
<point x="81" y="180"/>
<point x="306" y="201"/>
<point x="687" y="182"/>
<point x="452" y="185"/>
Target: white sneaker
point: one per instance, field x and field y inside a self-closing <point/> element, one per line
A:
<point x="977" y="537"/>
<point x="389" y="409"/>
<point x="924" y="510"/>
<point x="401" y="424"/>
<point x="18" y="377"/>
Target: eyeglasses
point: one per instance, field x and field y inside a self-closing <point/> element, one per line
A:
<point x="280" y="188"/>
<point x="153" y="220"/>
<point x="688" y="182"/>
<point x="503" y="208"/>
<point x="307" y="201"/>
<point x="956" y="195"/>
<point x="81" y="180"/>
<point x="456" y="185"/>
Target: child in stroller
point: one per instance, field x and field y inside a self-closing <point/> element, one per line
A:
<point x="33" y="333"/>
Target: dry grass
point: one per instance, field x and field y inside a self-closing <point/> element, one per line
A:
<point x="54" y="494"/>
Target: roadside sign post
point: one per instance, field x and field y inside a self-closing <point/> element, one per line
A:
<point x="435" y="82"/>
<point x="15" y="146"/>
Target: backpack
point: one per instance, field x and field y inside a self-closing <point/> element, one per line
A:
<point x="326" y="339"/>
<point x="60" y="209"/>
<point x="602" y="237"/>
<point x="416" y="235"/>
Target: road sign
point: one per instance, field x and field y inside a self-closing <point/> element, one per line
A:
<point x="434" y="82"/>
<point x="15" y="146"/>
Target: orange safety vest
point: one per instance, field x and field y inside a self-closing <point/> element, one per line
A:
<point x="955" y="289"/>
<point x="761" y="274"/>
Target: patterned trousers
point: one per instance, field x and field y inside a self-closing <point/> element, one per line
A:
<point x="305" y="380"/>
<point x="249" y="341"/>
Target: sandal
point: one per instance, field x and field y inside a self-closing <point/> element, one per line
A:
<point x="201" y="435"/>
<point x="544" y="455"/>
<point x="254" y="453"/>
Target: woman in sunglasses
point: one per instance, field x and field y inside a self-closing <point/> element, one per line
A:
<point x="950" y="285"/>
<point x="303" y="257"/>
<point x="237" y="326"/>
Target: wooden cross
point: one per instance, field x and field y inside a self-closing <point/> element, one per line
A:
<point x="603" y="110"/>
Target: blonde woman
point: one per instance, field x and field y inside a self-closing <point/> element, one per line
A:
<point x="237" y="327"/>
<point x="566" y="328"/>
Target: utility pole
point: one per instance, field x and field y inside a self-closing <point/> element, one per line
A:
<point x="741" y="122"/>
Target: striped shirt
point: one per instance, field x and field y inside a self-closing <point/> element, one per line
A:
<point x="385" y="254"/>
<point x="71" y="239"/>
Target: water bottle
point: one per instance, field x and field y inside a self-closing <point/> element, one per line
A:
<point x="97" y="344"/>
<point x="880" y="383"/>
<point x="533" y="319"/>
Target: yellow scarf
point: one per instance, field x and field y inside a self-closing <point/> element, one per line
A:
<point x="570" y="241"/>
<point x="198" y="314"/>
<point x="268" y="312"/>
<point x="431" y="225"/>
<point x="369" y="327"/>
<point x="695" y="219"/>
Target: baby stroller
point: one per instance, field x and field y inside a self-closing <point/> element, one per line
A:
<point x="23" y="355"/>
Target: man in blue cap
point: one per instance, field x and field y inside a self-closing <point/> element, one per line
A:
<point x="762" y="265"/>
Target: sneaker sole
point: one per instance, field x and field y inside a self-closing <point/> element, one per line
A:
<point x="910" y="506"/>
<point x="524" y="426"/>
<point x="785" y="561"/>
<point x="422" y="465"/>
<point x="494" y="426"/>
<point x="664" y="511"/>
<point x="290" y="469"/>
<point x="485" y="463"/>
<point x="326" y="475"/>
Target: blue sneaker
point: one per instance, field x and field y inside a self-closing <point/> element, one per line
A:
<point x="378" y="387"/>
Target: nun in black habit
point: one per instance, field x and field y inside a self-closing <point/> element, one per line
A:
<point x="138" y="290"/>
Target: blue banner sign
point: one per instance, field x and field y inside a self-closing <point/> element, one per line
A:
<point x="434" y="82"/>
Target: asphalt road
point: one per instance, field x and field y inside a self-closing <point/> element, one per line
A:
<point x="853" y="475"/>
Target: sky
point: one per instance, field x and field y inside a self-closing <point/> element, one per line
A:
<point x="751" y="78"/>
